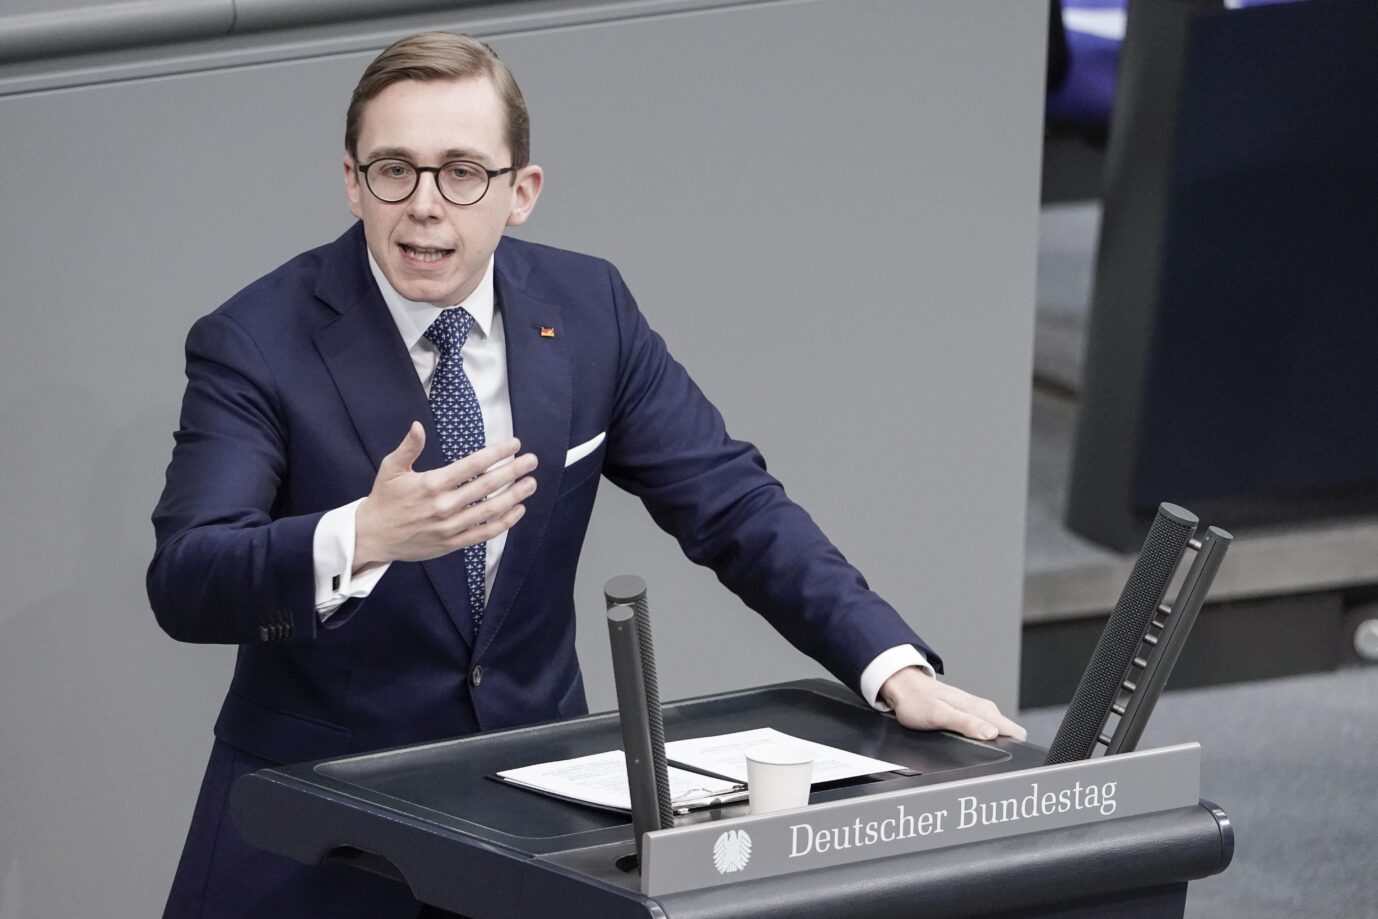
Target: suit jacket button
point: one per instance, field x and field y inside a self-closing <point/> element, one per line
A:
<point x="476" y="675"/>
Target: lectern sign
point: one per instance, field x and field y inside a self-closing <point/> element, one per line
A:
<point x="917" y="819"/>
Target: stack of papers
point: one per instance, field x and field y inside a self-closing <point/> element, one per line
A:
<point x="703" y="772"/>
<point x="601" y="780"/>
<point x="724" y="755"/>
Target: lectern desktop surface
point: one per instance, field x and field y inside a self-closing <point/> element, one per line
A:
<point x="454" y="779"/>
<point x="433" y="816"/>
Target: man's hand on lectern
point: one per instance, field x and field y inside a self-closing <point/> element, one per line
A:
<point x="924" y="703"/>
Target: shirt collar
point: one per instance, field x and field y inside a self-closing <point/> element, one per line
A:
<point x="413" y="318"/>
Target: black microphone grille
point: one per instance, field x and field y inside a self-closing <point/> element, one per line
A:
<point x="1124" y="630"/>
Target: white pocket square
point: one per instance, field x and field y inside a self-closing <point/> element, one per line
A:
<point x="575" y="454"/>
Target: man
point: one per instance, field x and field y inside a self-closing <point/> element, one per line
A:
<point x="383" y="477"/>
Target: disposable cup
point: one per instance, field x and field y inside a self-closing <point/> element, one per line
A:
<point x="778" y="777"/>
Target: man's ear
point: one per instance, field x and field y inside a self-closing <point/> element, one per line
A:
<point x="351" y="181"/>
<point x="525" y="191"/>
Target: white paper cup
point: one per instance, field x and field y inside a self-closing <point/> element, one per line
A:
<point x="778" y="777"/>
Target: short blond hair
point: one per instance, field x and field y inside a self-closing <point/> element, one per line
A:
<point x="441" y="56"/>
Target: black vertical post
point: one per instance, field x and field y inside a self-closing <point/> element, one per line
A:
<point x="638" y="704"/>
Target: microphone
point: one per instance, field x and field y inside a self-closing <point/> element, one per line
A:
<point x="1166" y="642"/>
<point x="1108" y="671"/>
<point x="638" y="704"/>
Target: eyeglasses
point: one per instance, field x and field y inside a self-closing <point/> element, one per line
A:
<point x="459" y="181"/>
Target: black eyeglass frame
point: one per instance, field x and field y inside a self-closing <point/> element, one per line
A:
<point x="435" y="176"/>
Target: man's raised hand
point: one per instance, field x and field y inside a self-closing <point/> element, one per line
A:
<point x="413" y="516"/>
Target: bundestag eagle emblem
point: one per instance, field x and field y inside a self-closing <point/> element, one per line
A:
<point x="732" y="851"/>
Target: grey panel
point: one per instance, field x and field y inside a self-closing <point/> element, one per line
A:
<point x="252" y="15"/>
<point x="861" y="338"/>
<point x="20" y="7"/>
<point x="873" y="337"/>
<point x="51" y="33"/>
<point x="136" y="31"/>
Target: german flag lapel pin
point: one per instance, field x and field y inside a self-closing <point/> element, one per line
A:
<point x="547" y="331"/>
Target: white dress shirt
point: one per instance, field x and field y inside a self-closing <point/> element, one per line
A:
<point x="485" y="364"/>
<point x="484" y="355"/>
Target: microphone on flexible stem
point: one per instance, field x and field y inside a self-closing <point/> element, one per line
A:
<point x="638" y="705"/>
<point x="1166" y="642"/>
<point x="1108" y="670"/>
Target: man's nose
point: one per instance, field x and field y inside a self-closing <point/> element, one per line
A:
<point x="426" y="203"/>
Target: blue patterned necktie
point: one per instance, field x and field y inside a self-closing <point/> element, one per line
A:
<point x="460" y="423"/>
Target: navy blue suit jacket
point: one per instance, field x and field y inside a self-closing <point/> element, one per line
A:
<point x="300" y="385"/>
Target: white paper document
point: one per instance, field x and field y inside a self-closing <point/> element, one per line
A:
<point x="601" y="779"/>
<point x="725" y="755"/>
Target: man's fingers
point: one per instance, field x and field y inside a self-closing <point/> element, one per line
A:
<point x="927" y="704"/>
<point x="475" y="464"/>
<point x="967" y="724"/>
<point x="989" y="712"/>
<point x="1010" y="728"/>
<point x="938" y="714"/>
<point x="420" y="515"/>
<point x="464" y="516"/>
<point x="401" y="459"/>
<point x="487" y="485"/>
<point x="490" y="528"/>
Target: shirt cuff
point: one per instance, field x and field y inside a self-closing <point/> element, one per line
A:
<point x="887" y="664"/>
<point x="332" y="552"/>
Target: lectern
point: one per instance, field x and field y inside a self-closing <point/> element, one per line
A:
<point x="998" y="839"/>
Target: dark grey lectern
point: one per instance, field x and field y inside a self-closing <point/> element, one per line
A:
<point x="433" y="817"/>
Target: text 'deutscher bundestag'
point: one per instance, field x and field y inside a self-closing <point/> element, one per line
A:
<point x="919" y="819"/>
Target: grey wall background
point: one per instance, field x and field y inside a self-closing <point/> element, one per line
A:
<point x="829" y="209"/>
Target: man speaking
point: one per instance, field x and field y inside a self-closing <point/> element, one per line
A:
<point x="387" y="456"/>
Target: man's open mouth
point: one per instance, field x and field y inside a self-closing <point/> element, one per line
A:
<point x="421" y="254"/>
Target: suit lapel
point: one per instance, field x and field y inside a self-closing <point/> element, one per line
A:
<point x="539" y="387"/>
<point x="377" y="381"/>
